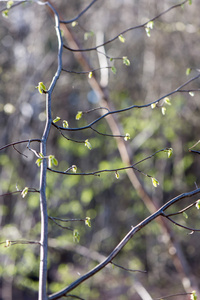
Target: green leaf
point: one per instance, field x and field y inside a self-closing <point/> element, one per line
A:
<point x="65" y="124"/>
<point x="88" y="221"/>
<point x="190" y="2"/>
<point x="153" y="105"/>
<point x="79" y="115"/>
<point x="8" y="244"/>
<point x="126" y="61"/>
<point x="9" y="4"/>
<point x="193" y="296"/>
<point x="167" y="101"/>
<point x="188" y="71"/>
<point x="39" y="161"/>
<point x="117" y="175"/>
<point x="154" y="182"/>
<point x="76" y="236"/>
<point x="5" y="13"/>
<point x="185" y="215"/>
<point x="88" y="34"/>
<point x="163" y="109"/>
<point x="41" y="155"/>
<point x="74" y="23"/>
<point x="90" y="75"/>
<point x="121" y="38"/>
<point x="169" y="152"/>
<point x="150" y="24"/>
<point x="56" y="119"/>
<point x="74" y="168"/>
<point x="111" y="59"/>
<point x="191" y="94"/>
<point x="127" y="137"/>
<point x="52" y="161"/>
<point x="88" y="145"/>
<point x="148" y="31"/>
<point x="114" y="70"/>
<point x="41" y="88"/>
<point x="198" y="204"/>
<point x="24" y="192"/>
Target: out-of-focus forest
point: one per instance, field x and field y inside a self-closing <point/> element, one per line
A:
<point x="159" y="58"/>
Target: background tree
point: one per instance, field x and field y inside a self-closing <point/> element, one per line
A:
<point x="114" y="204"/>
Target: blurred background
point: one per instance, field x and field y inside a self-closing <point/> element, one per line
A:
<point x="158" y="64"/>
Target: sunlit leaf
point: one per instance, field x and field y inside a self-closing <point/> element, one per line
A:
<point x="114" y="70"/>
<point x="185" y="215"/>
<point x="8" y="244"/>
<point x="150" y="24"/>
<point x="5" y="13"/>
<point x="88" y="221"/>
<point x="56" y="119"/>
<point x="127" y="137"/>
<point x="154" y="182"/>
<point x="167" y="101"/>
<point x="79" y="115"/>
<point x="74" y="168"/>
<point x="189" y="2"/>
<point x="76" y="236"/>
<point x="163" y="109"/>
<point x="39" y="161"/>
<point x="153" y="105"/>
<point x="169" y="152"/>
<point x="52" y="161"/>
<point x="90" y="75"/>
<point x="193" y="296"/>
<point x="88" y="145"/>
<point x="41" y="88"/>
<point x="191" y="94"/>
<point x="24" y="192"/>
<point x="65" y="124"/>
<point x="188" y="71"/>
<point x="74" y="23"/>
<point x="117" y="175"/>
<point x="9" y="4"/>
<point x="148" y="31"/>
<point x="126" y="61"/>
<point x="88" y="34"/>
<point x="121" y="38"/>
<point x="198" y="204"/>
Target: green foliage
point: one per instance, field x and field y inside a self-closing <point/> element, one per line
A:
<point x="65" y="124"/>
<point x="24" y="192"/>
<point x="126" y="61"/>
<point x="79" y="115"/>
<point x="121" y="38"/>
<point x="56" y="119"/>
<point x="193" y="296"/>
<point x="76" y="236"/>
<point x="155" y="182"/>
<point x="41" y="88"/>
<point x="52" y="161"/>
<point x="88" y="145"/>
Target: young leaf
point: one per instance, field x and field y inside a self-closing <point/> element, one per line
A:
<point x="148" y="31"/>
<point x="169" y="152"/>
<point x="188" y="71"/>
<point x="39" y="161"/>
<point x="191" y="94"/>
<point x="41" y="88"/>
<point x="150" y="24"/>
<point x="5" y="13"/>
<point x="113" y="69"/>
<point x="193" y="296"/>
<point x="127" y="137"/>
<point x="88" y="221"/>
<point x="74" y="23"/>
<point x="117" y="175"/>
<point x="8" y="243"/>
<point x="79" y="115"/>
<point x="190" y="2"/>
<point x="121" y="38"/>
<point x="153" y="105"/>
<point x="198" y="204"/>
<point x="126" y="61"/>
<point x="76" y="236"/>
<point x="90" y="75"/>
<point x="56" y="119"/>
<point x="65" y="124"/>
<point x="163" y="109"/>
<point x="52" y="161"/>
<point x="167" y="101"/>
<point x="74" y="168"/>
<point x="154" y="182"/>
<point x="88" y="34"/>
<point x="24" y="192"/>
<point x="88" y="145"/>
<point x="9" y="4"/>
<point x="185" y="215"/>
